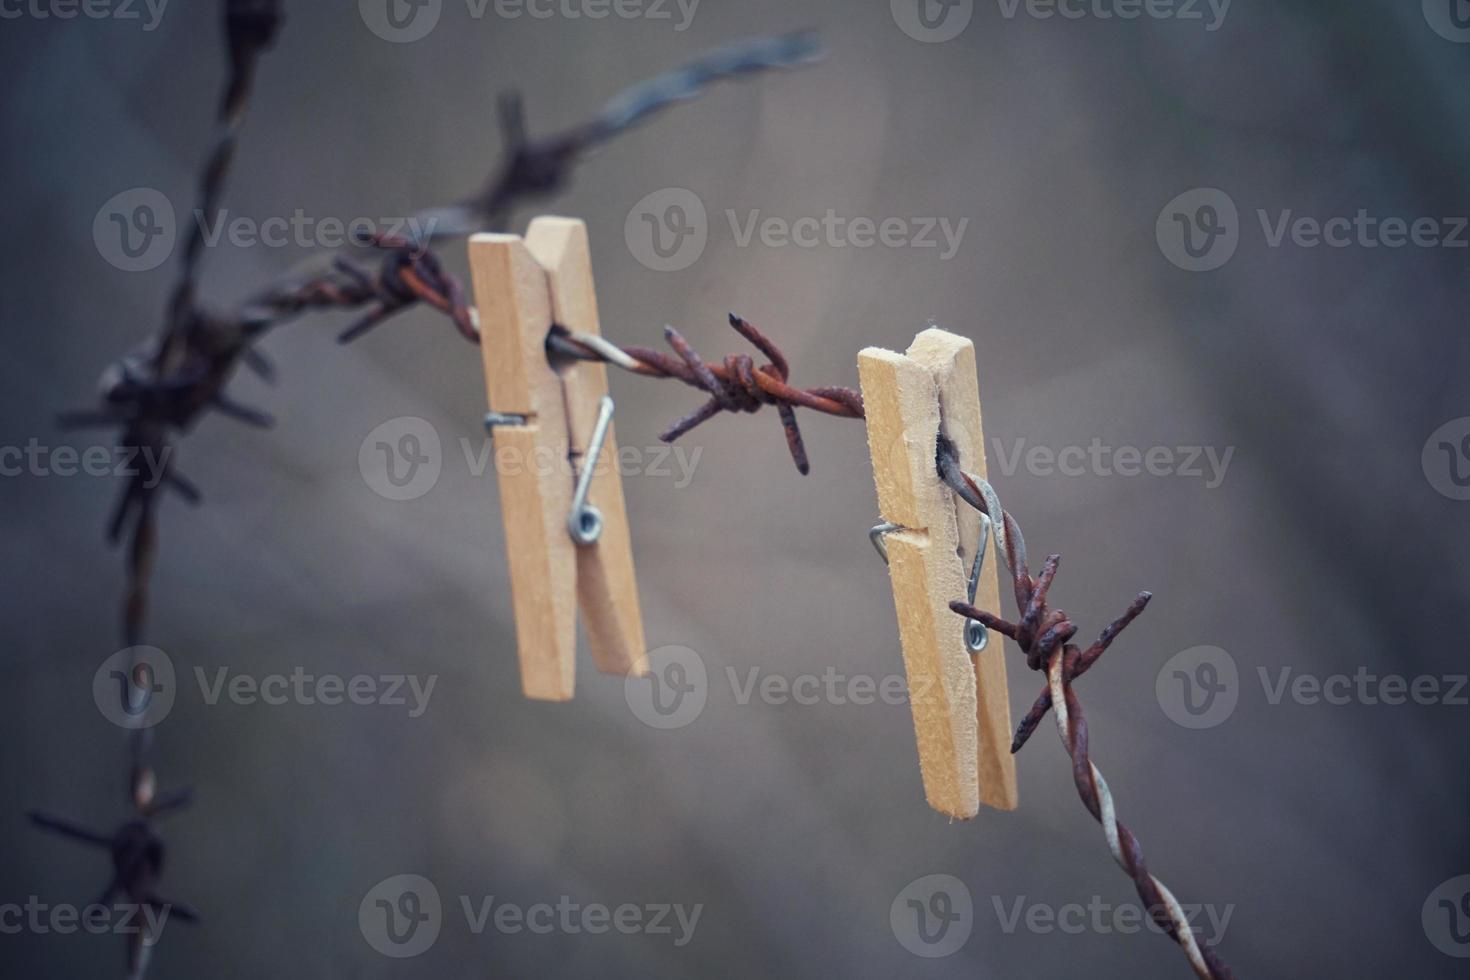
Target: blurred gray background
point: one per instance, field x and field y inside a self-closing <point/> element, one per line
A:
<point x="1321" y="829"/>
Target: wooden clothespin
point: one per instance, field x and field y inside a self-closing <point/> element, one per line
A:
<point x="545" y="423"/>
<point x="910" y="398"/>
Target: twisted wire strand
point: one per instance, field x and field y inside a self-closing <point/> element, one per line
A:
<point x="1043" y="634"/>
<point x="735" y="385"/>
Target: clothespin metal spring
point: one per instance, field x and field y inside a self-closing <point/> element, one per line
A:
<point x="584" y="522"/>
<point x="976" y="635"/>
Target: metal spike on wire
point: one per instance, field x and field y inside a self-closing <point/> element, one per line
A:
<point x="1044" y="635"/>
<point x="138" y="854"/>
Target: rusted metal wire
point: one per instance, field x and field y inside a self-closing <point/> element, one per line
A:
<point x="1044" y="635"/>
<point x="163" y="388"/>
<point x="735" y="385"/>
<point x="138" y="854"/>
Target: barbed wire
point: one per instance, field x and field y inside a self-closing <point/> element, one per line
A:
<point x="1044" y="634"/>
<point x="162" y="389"/>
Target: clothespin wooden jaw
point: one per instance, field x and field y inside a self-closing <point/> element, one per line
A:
<point x="545" y="417"/>
<point x="960" y="702"/>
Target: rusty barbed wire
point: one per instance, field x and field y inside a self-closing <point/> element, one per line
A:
<point x="1044" y="634"/>
<point x="735" y="385"/>
<point x="161" y="389"/>
<point x="138" y="856"/>
<point x="164" y="387"/>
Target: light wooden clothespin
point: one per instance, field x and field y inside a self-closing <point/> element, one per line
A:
<point x="567" y="538"/>
<point x="930" y="541"/>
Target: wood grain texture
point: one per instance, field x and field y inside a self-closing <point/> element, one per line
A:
<point x="514" y="304"/>
<point x="953" y="368"/>
<point x="924" y="566"/>
<point x="607" y="584"/>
